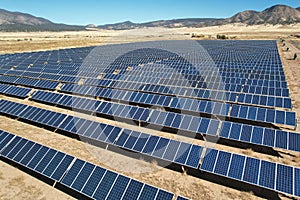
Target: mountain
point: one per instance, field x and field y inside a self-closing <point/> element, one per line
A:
<point x="7" y="17"/>
<point x="278" y="14"/>
<point x="247" y="17"/>
<point x="17" y="21"/>
<point x="189" y="22"/>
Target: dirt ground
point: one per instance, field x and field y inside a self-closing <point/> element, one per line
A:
<point x="19" y="185"/>
<point x="24" y="41"/>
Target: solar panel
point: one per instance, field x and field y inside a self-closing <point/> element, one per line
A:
<point x="80" y="176"/>
<point x="258" y="172"/>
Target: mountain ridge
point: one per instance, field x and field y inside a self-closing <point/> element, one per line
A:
<point x="18" y="21"/>
<point x="277" y="14"/>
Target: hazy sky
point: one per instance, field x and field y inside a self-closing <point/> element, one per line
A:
<point x="112" y="11"/>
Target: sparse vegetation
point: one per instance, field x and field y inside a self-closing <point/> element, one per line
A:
<point x="222" y="37"/>
<point x="194" y="35"/>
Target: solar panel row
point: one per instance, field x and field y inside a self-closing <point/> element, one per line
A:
<point x="192" y="105"/>
<point x="14" y="91"/>
<point x="198" y="125"/>
<point x="44" y="84"/>
<point x="42" y="75"/>
<point x="264" y="115"/>
<point x="188" y="155"/>
<point x="86" y="178"/>
<point x="258" y="172"/>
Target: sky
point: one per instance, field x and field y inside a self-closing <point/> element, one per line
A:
<point x="112" y="11"/>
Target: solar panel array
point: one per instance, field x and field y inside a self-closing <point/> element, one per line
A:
<point x="84" y="177"/>
<point x="246" y="169"/>
<point x="198" y="125"/>
<point x="234" y="90"/>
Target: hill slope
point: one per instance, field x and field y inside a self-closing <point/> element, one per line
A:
<point x="17" y="21"/>
<point x="278" y="14"/>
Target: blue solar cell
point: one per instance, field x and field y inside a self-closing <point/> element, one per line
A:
<point x="194" y="156"/>
<point x="11" y="153"/>
<point x="105" y="185"/>
<point x="234" y="111"/>
<point x="182" y="153"/>
<point x="290" y="119"/>
<point x="236" y="166"/>
<point x="45" y="161"/>
<point x="133" y="190"/>
<point x="93" y="181"/>
<point x="177" y="120"/>
<point x="280" y="117"/>
<point x="246" y="133"/>
<point x="257" y="135"/>
<point x="151" y="143"/>
<point x="30" y="154"/>
<point x="57" y="159"/>
<point x="297" y="182"/>
<point x="225" y="129"/>
<point x="270" y="116"/>
<point x="267" y="174"/>
<point x="209" y="160"/>
<point x="18" y="157"/>
<point x="284" y="179"/>
<point x="185" y="122"/>
<point x="213" y="127"/>
<point x="294" y="141"/>
<point x="287" y="103"/>
<point x="195" y="123"/>
<point x="37" y="158"/>
<point x="261" y="115"/>
<point x="123" y="137"/>
<point x="171" y="150"/>
<point x="251" y="170"/>
<point x="148" y="192"/>
<point x="281" y="139"/>
<point x="269" y="137"/>
<point x="169" y="119"/>
<point x="271" y="101"/>
<point x="160" y="147"/>
<point x="278" y="102"/>
<point x="203" y="125"/>
<point x="243" y="112"/>
<point x="164" y="195"/>
<point x="255" y="99"/>
<point x="181" y="198"/>
<point x="72" y="173"/>
<point x="131" y="140"/>
<point x="202" y="106"/>
<point x="222" y="163"/>
<point x="82" y="177"/>
<point x="235" y="131"/>
<point x="141" y="141"/>
<point x="241" y="98"/>
<point x="252" y="113"/>
<point x="160" y="120"/>
<point x="118" y="188"/>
